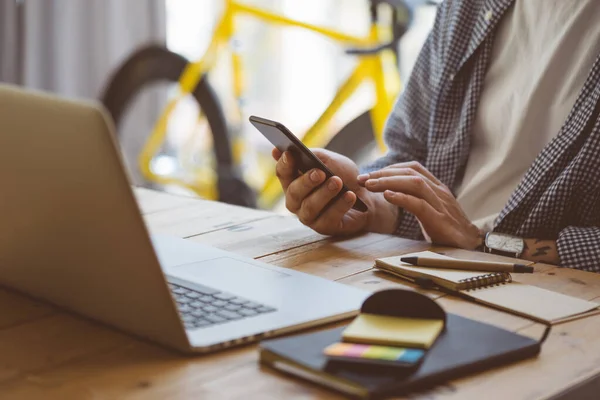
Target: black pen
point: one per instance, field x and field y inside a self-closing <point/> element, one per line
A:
<point x="470" y="265"/>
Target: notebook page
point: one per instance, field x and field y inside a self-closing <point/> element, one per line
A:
<point x="451" y="275"/>
<point x="532" y="301"/>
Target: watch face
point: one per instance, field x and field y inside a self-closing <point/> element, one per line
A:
<point x="502" y="242"/>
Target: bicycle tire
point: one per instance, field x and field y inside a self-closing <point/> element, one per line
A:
<point x="154" y="64"/>
<point x="355" y="139"/>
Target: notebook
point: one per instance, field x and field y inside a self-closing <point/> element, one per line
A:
<point x="464" y="347"/>
<point x="493" y="289"/>
<point x="393" y="331"/>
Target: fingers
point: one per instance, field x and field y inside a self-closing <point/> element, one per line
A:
<point x="439" y="227"/>
<point x="310" y="196"/>
<point x="335" y="218"/>
<point x="301" y="187"/>
<point x="312" y="204"/>
<point x="392" y="172"/>
<point x="416" y="186"/>
<point x="421" y="209"/>
<point x="416" y="166"/>
<point x="276" y="153"/>
<point x="285" y="169"/>
<point x="408" y="168"/>
<point x="317" y="212"/>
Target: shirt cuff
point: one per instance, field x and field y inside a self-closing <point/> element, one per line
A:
<point x="408" y="226"/>
<point x="579" y="248"/>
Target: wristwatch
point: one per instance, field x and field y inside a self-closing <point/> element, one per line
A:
<point x="503" y="244"/>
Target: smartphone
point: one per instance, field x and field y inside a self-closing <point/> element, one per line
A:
<point x="284" y="140"/>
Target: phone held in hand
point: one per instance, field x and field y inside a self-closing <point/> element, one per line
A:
<point x="284" y="140"/>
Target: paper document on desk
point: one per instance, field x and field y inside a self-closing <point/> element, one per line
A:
<point x="495" y="289"/>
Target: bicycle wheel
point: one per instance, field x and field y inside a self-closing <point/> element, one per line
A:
<point x="156" y="64"/>
<point x="356" y="140"/>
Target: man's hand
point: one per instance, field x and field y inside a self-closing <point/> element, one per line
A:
<point x="413" y="188"/>
<point x="308" y="194"/>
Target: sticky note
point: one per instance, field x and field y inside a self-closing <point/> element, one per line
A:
<point x="393" y="331"/>
<point x="383" y="353"/>
<point x="356" y="350"/>
<point x="410" y="355"/>
<point x="339" y="349"/>
<point x="374" y="352"/>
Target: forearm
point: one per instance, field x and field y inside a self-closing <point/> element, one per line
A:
<point x="544" y="251"/>
<point x="576" y="247"/>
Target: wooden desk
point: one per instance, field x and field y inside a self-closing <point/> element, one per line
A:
<point x="46" y="353"/>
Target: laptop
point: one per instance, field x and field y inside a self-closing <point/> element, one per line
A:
<point x="72" y="235"/>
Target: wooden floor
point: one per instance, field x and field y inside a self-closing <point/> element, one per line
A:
<point x="46" y="353"/>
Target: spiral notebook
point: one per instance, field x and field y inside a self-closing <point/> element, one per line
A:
<point x="494" y="289"/>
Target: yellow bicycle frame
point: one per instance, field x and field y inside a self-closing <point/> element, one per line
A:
<point x="378" y="68"/>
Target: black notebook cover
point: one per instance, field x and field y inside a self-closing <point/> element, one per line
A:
<point x="465" y="347"/>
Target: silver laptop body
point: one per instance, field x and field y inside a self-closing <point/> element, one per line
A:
<point x="71" y="233"/>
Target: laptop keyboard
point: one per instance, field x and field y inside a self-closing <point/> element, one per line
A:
<point x="202" y="306"/>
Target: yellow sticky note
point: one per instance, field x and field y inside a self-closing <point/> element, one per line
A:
<point x="383" y="353"/>
<point x="393" y="331"/>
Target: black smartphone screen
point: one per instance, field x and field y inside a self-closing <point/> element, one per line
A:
<point x="284" y="140"/>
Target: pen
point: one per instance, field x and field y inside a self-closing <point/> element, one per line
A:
<point x="467" y="264"/>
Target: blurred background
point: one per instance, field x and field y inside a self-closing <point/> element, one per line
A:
<point x="80" y="49"/>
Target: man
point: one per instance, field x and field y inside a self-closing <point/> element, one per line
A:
<point x="497" y="131"/>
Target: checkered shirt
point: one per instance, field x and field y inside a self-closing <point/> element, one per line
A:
<point x="559" y="196"/>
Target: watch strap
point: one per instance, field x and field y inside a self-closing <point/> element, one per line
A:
<point x="499" y="252"/>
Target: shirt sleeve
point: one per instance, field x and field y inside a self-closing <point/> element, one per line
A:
<point x="407" y="128"/>
<point x="579" y="247"/>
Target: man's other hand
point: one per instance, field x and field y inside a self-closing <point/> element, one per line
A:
<point x="413" y="188"/>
